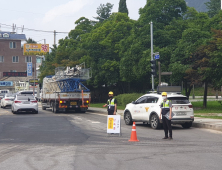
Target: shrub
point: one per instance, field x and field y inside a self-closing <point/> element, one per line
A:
<point x="124" y="99"/>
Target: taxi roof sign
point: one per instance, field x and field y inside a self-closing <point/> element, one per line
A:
<point x="173" y="89"/>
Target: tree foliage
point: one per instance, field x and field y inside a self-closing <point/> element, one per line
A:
<point x="117" y="48"/>
<point x="123" y="7"/>
<point x="30" y="41"/>
<point x="104" y="11"/>
<point x="214" y="6"/>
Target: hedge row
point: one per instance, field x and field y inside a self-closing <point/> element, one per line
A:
<point x="124" y="99"/>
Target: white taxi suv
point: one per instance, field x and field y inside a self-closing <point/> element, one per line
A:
<point x="147" y="109"/>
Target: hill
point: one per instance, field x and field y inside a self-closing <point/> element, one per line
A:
<point x="199" y="5"/>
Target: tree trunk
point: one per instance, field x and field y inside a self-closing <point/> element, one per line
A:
<point x="185" y="86"/>
<point x="205" y="94"/>
<point x="189" y="90"/>
<point x="128" y="87"/>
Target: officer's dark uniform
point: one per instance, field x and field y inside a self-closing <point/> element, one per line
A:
<point x="165" y="106"/>
<point x="111" y="106"/>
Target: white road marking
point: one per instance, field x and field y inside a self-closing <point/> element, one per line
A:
<point x="95" y="122"/>
<point x="98" y="114"/>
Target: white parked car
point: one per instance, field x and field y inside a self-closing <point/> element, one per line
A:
<point x="147" y="109"/>
<point x="7" y="100"/>
<point x="24" y="103"/>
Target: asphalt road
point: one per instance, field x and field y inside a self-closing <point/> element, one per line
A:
<point x="78" y="141"/>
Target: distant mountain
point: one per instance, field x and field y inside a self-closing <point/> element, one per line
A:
<point x="199" y="5"/>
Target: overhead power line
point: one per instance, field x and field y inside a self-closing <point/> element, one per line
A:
<point x="14" y="28"/>
<point x="30" y="29"/>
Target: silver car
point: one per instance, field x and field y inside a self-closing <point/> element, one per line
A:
<point x="7" y="100"/>
<point x="24" y="103"/>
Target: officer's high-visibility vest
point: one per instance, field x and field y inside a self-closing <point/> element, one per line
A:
<point x="111" y="105"/>
<point x="165" y="104"/>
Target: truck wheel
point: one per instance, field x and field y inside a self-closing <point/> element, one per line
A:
<point x="54" y="108"/>
<point x="187" y="125"/>
<point x="128" y="118"/>
<point x="154" y="122"/>
<point x="43" y="108"/>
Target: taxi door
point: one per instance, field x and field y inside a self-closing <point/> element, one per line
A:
<point x="150" y="106"/>
<point x="139" y="107"/>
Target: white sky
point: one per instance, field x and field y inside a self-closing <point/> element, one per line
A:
<point x="50" y="15"/>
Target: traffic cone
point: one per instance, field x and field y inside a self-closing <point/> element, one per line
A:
<point x="133" y="134"/>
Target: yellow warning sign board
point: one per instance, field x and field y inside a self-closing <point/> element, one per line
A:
<point x="110" y="123"/>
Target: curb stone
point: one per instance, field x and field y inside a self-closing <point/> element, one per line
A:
<point x="214" y="124"/>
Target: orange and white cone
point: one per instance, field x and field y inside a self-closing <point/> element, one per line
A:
<point x="133" y="134"/>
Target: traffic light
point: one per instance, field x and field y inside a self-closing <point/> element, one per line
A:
<point x="153" y="67"/>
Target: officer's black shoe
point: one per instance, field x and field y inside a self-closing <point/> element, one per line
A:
<point x="170" y="138"/>
<point x="165" y="137"/>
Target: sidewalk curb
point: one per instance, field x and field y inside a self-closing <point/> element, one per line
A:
<point x="214" y="124"/>
<point x="207" y="126"/>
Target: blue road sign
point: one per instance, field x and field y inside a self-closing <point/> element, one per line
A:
<point x="157" y="56"/>
<point x="6" y="83"/>
<point x="29" y="69"/>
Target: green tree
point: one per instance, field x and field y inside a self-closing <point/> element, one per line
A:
<point x="104" y="11"/>
<point x="213" y="7"/>
<point x="30" y="41"/>
<point x="103" y="46"/>
<point x="123" y="7"/>
<point x="195" y="33"/>
<point x="161" y="12"/>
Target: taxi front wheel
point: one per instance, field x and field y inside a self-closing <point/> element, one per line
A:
<point x="154" y="122"/>
<point x="128" y="118"/>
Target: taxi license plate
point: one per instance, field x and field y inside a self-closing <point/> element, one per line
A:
<point x="73" y="103"/>
<point x="181" y="114"/>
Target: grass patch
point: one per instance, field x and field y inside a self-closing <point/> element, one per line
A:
<point x="199" y="91"/>
<point x="211" y="117"/>
<point x="212" y="107"/>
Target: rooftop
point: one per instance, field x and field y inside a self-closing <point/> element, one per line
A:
<point x="11" y="36"/>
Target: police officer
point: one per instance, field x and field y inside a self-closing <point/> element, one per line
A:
<point x="112" y="104"/>
<point x="166" y="107"/>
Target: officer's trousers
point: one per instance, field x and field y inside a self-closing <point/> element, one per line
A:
<point x="110" y="112"/>
<point x="167" y="127"/>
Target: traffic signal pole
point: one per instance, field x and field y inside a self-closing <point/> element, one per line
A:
<point x="151" y="33"/>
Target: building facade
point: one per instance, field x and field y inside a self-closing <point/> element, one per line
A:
<point x="11" y="54"/>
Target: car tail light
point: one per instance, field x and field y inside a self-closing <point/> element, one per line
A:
<point x="7" y="99"/>
<point x="190" y="106"/>
<point x="17" y="101"/>
<point x="35" y="101"/>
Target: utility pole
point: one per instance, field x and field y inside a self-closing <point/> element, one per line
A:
<point x="54" y="37"/>
<point x="151" y="33"/>
<point x="159" y="73"/>
<point x="34" y="80"/>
